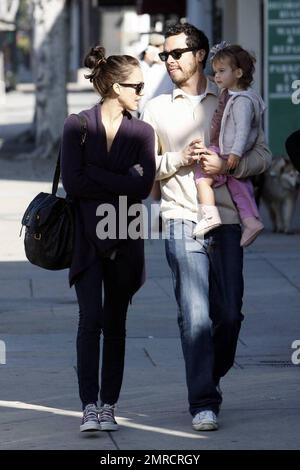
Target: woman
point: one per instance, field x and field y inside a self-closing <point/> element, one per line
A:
<point x="117" y="159"/>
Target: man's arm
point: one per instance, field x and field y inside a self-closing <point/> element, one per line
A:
<point x="167" y="164"/>
<point x="256" y="160"/>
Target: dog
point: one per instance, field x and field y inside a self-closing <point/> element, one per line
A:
<point x="279" y="193"/>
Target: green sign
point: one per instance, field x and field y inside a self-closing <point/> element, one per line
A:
<point x="283" y="71"/>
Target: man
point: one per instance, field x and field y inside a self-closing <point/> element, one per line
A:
<point x="157" y="80"/>
<point x="207" y="274"/>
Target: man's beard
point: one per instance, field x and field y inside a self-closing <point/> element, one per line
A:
<point x="186" y="75"/>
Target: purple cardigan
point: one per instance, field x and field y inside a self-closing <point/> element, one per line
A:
<point x="92" y="176"/>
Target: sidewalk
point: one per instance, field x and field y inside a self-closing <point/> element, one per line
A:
<point x="39" y="401"/>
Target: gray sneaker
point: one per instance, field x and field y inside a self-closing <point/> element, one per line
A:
<point x="90" y="420"/>
<point x="107" y="418"/>
<point x="205" y="421"/>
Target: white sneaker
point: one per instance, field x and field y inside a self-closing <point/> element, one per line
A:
<point x="210" y="219"/>
<point x="205" y="421"/>
<point x="107" y="418"/>
<point x="90" y="420"/>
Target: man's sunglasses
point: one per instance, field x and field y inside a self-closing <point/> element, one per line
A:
<point x="176" y="53"/>
<point x="137" y="86"/>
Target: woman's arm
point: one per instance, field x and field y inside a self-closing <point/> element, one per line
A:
<point x="133" y="184"/>
<point x="74" y="176"/>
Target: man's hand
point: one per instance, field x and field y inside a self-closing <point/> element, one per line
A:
<point x="211" y="163"/>
<point x="191" y="152"/>
<point x="232" y="161"/>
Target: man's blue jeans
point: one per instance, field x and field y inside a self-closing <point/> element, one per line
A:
<point x="208" y="283"/>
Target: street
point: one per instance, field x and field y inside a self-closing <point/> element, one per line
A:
<point x="39" y="402"/>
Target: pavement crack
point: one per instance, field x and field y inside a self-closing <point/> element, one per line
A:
<point x="165" y="291"/>
<point x="243" y="342"/>
<point x="113" y="441"/>
<point x="281" y="273"/>
<point x="149" y="357"/>
<point x="236" y="365"/>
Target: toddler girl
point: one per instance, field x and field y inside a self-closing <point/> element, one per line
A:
<point x="235" y="126"/>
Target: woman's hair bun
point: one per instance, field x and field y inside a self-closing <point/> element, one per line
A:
<point x="95" y="57"/>
<point x="104" y="72"/>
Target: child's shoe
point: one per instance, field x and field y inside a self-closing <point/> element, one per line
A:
<point x="209" y="219"/>
<point x="252" y="228"/>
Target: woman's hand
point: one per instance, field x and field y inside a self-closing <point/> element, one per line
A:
<point x="137" y="168"/>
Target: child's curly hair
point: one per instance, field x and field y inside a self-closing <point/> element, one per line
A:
<point x="239" y="59"/>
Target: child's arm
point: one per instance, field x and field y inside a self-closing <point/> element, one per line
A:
<point x="243" y="114"/>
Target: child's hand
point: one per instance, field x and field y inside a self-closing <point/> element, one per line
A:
<point x="232" y="162"/>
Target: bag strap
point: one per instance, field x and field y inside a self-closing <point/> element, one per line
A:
<point x="83" y="133"/>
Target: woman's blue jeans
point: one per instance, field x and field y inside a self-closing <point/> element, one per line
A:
<point x="208" y="284"/>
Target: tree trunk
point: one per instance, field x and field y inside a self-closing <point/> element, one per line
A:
<point x="50" y="65"/>
<point x="8" y="11"/>
<point x="2" y="79"/>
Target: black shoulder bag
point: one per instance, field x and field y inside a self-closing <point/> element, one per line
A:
<point x="49" y="222"/>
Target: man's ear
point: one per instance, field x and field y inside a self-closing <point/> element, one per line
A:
<point x="116" y="88"/>
<point x="200" y="55"/>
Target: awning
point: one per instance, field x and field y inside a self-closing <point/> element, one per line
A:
<point x="166" y="7"/>
<point x="6" y="26"/>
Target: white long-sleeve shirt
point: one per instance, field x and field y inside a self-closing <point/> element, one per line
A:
<point x="176" y="123"/>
